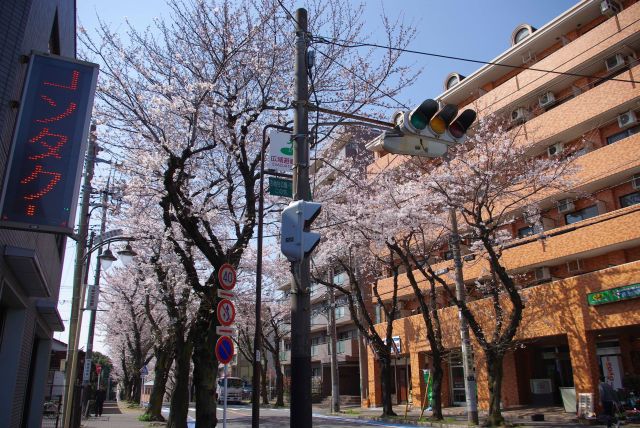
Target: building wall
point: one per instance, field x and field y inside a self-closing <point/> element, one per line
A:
<point x="26" y="25"/>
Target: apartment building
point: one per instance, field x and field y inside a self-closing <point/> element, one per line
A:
<point x="582" y="275"/>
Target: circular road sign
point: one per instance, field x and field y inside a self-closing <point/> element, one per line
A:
<point x="227" y="276"/>
<point x="226" y="312"/>
<point x="224" y="349"/>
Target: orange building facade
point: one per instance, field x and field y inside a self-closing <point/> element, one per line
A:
<point x="591" y="240"/>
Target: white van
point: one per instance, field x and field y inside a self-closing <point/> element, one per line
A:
<point x="234" y="390"/>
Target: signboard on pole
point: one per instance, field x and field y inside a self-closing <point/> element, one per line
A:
<point x="86" y="375"/>
<point x="280" y="187"/>
<point x="107" y="235"/>
<point x="49" y="142"/>
<point x="98" y="369"/>
<point x="280" y="152"/>
<point x="224" y="350"/>
<point x="226" y="312"/>
<point x="93" y="296"/>
<point x="227" y="276"/>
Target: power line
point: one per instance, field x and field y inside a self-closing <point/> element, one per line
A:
<point x="362" y="79"/>
<point x="288" y="13"/>
<point x="347" y="44"/>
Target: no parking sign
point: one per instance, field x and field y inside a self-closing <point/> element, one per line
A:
<point x="224" y="349"/>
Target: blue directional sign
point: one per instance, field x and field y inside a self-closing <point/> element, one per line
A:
<point x="224" y="349"/>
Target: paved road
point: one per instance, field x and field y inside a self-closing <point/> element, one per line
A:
<point x="239" y="416"/>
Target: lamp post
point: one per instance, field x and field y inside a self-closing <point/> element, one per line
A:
<point x="104" y="259"/>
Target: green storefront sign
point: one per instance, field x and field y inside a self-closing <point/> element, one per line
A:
<point x="280" y="187"/>
<point x="614" y="295"/>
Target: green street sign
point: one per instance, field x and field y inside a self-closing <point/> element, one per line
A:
<point x="280" y="187"/>
<point x="614" y="295"/>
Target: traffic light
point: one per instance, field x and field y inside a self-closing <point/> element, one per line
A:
<point x="296" y="242"/>
<point x="427" y="130"/>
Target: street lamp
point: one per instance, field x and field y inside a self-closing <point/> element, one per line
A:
<point x="104" y="262"/>
<point x="107" y="258"/>
<point x="126" y="256"/>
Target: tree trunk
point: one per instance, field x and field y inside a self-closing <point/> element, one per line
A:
<point x="136" y="391"/>
<point x="437" y="374"/>
<point x="279" y="378"/>
<point x="205" y="367"/>
<point x="263" y="380"/>
<point x="180" y="396"/>
<point x="495" y="373"/>
<point x="387" y="405"/>
<point x="160" y="375"/>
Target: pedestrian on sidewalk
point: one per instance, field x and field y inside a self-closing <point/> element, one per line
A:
<point x="608" y="400"/>
<point x="100" y="397"/>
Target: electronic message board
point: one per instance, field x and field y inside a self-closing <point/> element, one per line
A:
<point x="42" y="179"/>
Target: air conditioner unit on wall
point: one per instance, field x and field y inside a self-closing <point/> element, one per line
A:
<point x="635" y="181"/>
<point x="614" y="62"/>
<point x="518" y="115"/>
<point x="565" y="206"/>
<point x="546" y="100"/>
<point x="627" y="119"/>
<point x="609" y="7"/>
<point x="542" y="273"/>
<point x="555" y="149"/>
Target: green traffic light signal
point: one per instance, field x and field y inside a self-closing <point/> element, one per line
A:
<point x="421" y="115"/>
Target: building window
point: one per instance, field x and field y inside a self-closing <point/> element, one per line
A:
<point x="623" y="134"/>
<point x="340" y="311"/>
<point x="525" y="231"/>
<point x="452" y="80"/>
<point x="448" y="255"/>
<point x="340" y="278"/>
<point x="521" y="32"/>
<point x="316" y="371"/>
<point x="582" y="214"/>
<point x="630" y="199"/>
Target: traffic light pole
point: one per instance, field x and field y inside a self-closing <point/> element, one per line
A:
<point x="467" y="359"/>
<point x="300" y="297"/>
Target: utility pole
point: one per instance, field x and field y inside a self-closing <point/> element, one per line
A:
<point x="300" y="284"/>
<point x="76" y="314"/>
<point x="96" y="289"/>
<point x="335" y="381"/>
<point x="467" y="361"/>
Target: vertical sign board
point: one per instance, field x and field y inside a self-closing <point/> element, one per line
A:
<point x="280" y="152"/>
<point x="42" y="179"/>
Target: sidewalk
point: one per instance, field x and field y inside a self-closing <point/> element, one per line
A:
<point x="455" y="417"/>
<point x="115" y="417"/>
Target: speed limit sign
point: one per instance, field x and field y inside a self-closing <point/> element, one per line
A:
<point x="227" y="276"/>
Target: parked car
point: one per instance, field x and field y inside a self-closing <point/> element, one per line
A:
<point x="234" y="390"/>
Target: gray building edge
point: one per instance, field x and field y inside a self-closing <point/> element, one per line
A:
<point x="30" y="262"/>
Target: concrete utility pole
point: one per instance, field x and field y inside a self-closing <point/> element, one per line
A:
<point x="96" y="290"/>
<point x="335" y="380"/>
<point x="76" y="314"/>
<point x="300" y="296"/>
<point x="467" y="359"/>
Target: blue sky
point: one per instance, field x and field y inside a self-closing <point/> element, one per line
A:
<point x="476" y="29"/>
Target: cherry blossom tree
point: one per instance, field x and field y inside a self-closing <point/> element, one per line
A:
<point x="184" y="104"/>
<point x="486" y="181"/>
